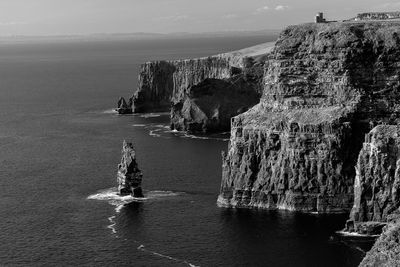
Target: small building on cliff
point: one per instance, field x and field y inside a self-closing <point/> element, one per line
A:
<point x="319" y="18"/>
<point x="378" y="16"/>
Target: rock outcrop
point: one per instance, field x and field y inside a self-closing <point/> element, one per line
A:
<point x="123" y="107"/>
<point x="168" y="85"/>
<point x="377" y="181"/>
<point x="209" y="105"/>
<point x="325" y="86"/>
<point x="129" y="177"/>
<point x="164" y="82"/>
<point x="386" y="250"/>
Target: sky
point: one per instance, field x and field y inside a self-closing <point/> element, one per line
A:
<point x="66" y="17"/>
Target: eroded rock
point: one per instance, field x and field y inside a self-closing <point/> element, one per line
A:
<point x="325" y="87"/>
<point x="129" y="176"/>
<point x="123" y="107"/>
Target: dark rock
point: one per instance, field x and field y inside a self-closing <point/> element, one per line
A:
<point x="164" y="82"/>
<point x="377" y="181"/>
<point x="325" y="87"/>
<point x="123" y="107"/>
<point x="386" y="250"/>
<point x="168" y="84"/>
<point x="129" y="177"/>
<point x="210" y="105"/>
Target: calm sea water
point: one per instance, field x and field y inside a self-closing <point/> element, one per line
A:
<point x="59" y="150"/>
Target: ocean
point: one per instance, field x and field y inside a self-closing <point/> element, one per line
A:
<point x="60" y="144"/>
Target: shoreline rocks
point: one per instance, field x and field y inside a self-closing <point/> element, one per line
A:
<point x="123" y="107"/>
<point x="129" y="176"/>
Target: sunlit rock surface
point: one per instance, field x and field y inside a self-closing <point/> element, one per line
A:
<point x="129" y="176"/>
<point x="325" y="87"/>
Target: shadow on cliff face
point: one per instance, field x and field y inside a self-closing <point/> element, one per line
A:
<point x="211" y="104"/>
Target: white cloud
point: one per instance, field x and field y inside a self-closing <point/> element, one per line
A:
<point x="229" y="16"/>
<point x="261" y="9"/>
<point x="281" y="7"/>
<point x="10" y="23"/>
<point x="173" y="18"/>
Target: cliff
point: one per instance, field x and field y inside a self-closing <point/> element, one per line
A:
<point x="201" y="92"/>
<point x="325" y="87"/>
<point x="163" y="82"/>
<point x="209" y="105"/>
<point x="376" y="205"/>
<point x="386" y="250"/>
<point x="377" y="181"/>
<point x="129" y="177"/>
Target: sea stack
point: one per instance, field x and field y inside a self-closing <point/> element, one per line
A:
<point x="129" y="176"/>
<point x="123" y="107"/>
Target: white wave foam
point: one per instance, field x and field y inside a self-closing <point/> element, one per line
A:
<point x="354" y="234"/>
<point x="163" y="126"/>
<point x="150" y="115"/>
<point x="154" y="134"/>
<point x="204" y="137"/>
<point x="139" y="125"/>
<point x="144" y="249"/>
<point x="110" y="111"/>
<point x="111" y="195"/>
<point x="112" y="225"/>
<point x="161" y="194"/>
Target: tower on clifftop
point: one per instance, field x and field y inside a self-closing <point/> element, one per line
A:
<point x="319" y="18"/>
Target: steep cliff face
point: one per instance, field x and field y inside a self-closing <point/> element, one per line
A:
<point x="209" y="105"/>
<point x="129" y="177"/>
<point x="325" y="86"/>
<point x="377" y="195"/>
<point x="163" y="82"/>
<point x="377" y="181"/>
<point x="386" y="250"/>
<point x="215" y="82"/>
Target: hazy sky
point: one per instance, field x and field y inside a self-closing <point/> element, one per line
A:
<point x="60" y="17"/>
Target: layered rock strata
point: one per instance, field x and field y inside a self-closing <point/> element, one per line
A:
<point x="129" y="176"/>
<point x="325" y="86"/>
<point x="209" y="105"/>
<point x="164" y="82"/>
<point x="168" y="85"/>
<point x="386" y="250"/>
<point x="377" y="181"/>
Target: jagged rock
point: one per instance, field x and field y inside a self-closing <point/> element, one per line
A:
<point x="386" y="250"/>
<point x="164" y="82"/>
<point x="167" y="85"/>
<point x="210" y="105"/>
<point x="325" y="86"/>
<point x="377" y="181"/>
<point x="123" y="107"/>
<point x="129" y="177"/>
